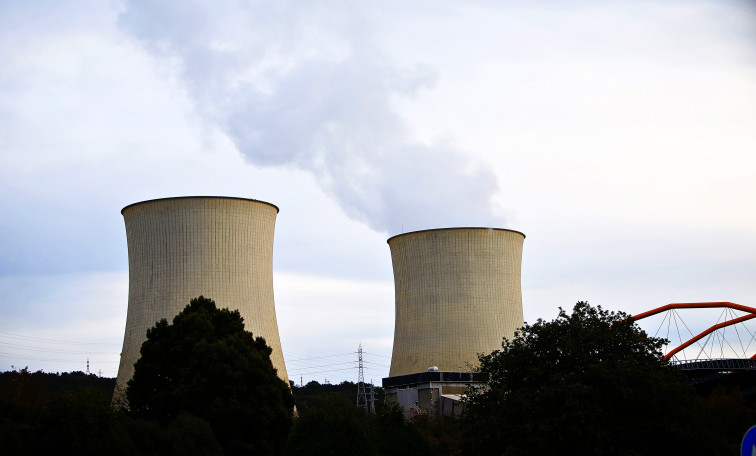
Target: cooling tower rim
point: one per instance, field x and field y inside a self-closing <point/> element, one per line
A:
<point x="199" y="197"/>
<point x="455" y="229"/>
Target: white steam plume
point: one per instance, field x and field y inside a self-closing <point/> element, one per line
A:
<point x="302" y="84"/>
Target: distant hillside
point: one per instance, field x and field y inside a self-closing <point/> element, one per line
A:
<point x="47" y="385"/>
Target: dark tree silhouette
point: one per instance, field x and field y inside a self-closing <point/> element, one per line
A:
<point x="205" y="364"/>
<point x="338" y="427"/>
<point x="587" y="383"/>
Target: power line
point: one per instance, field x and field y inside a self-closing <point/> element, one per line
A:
<point x="43" y="339"/>
<point x="293" y="353"/>
<point x="318" y="357"/>
<point x="53" y="360"/>
<point x="318" y="367"/>
<point x="328" y="371"/>
<point x="376" y="354"/>
<point x="311" y="370"/>
<point x="30" y="348"/>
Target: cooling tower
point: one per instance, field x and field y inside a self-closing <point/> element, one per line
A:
<point x="458" y="293"/>
<point x="181" y="248"/>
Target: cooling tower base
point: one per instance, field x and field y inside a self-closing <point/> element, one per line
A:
<point x="432" y="393"/>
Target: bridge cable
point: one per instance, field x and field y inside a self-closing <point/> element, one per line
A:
<point x="721" y="345"/>
<point x="656" y="334"/>
<point x="753" y="336"/>
<point x="728" y="343"/>
<point x="677" y="327"/>
<point x="720" y="339"/>
<point x="703" y="348"/>
<point x="669" y="322"/>
<point x="740" y="340"/>
<point x="691" y="333"/>
<point x="735" y="327"/>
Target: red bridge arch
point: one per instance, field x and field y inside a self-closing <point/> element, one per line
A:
<point x="751" y="313"/>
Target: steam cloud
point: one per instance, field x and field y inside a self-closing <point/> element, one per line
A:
<point x="304" y="85"/>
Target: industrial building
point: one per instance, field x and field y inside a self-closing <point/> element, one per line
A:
<point x="458" y="292"/>
<point x="181" y="248"/>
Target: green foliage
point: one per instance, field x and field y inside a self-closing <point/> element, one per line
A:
<point x="393" y="435"/>
<point x="70" y="413"/>
<point x="41" y="412"/>
<point x="587" y="383"/>
<point x="314" y="394"/>
<point x="44" y="385"/>
<point x="207" y="365"/>
<point x="184" y="435"/>
<point x="442" y="433"/>
<point x="337" y="427"/>
<point x="731" y="414"/>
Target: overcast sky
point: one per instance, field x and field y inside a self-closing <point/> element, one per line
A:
<point x="619" y="136"/>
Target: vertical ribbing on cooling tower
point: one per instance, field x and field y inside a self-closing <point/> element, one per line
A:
<point x="181" y="248"/>
<point x="458" y="292"/>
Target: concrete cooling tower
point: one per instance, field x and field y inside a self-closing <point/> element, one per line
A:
<point x="458" y="292"/>
<point x="181" y="248"/>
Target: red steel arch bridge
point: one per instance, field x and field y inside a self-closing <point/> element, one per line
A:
<point x="707" y="340"/>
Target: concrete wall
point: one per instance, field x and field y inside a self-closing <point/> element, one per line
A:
<point x="458" y="292"/>
<point x="432" y="398"/>
<point x="181" y="248"/>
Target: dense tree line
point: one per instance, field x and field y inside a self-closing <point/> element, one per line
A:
<point x="314" y="394"/>
<point x="49" y="412"/>
<point x="589" y="382"/>
<point x="594" y="383"/>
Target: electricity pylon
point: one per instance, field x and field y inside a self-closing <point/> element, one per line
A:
<point x="361" y="394"/>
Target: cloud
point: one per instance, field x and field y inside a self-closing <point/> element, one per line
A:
<point x="306" y="86"/>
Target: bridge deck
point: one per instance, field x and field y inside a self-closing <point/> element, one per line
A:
<point x="729" y="364"/>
